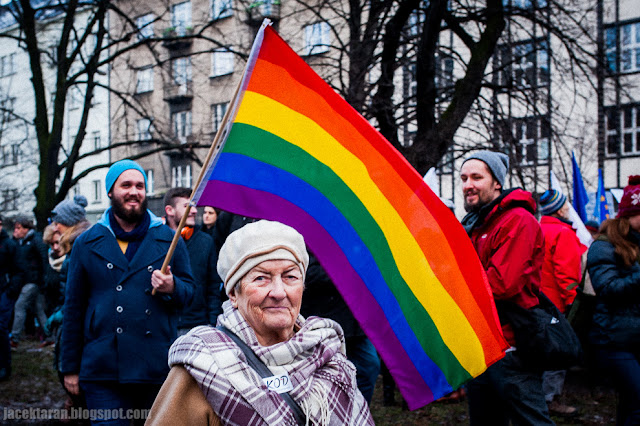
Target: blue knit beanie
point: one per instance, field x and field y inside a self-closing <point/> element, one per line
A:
<point x="118" y="168"/>
<point x="70" y="212"/>
<point x="497" y="161"/>
<point x="551" y="201"/>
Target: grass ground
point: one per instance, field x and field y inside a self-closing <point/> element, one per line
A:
<point x="34" y="384"/>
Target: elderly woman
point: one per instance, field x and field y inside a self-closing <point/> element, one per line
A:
<point x="263" y="266"/>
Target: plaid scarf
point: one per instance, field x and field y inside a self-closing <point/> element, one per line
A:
<point x="324" y="382"/>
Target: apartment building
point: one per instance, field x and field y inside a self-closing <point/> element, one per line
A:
<point x="172" y="92"/>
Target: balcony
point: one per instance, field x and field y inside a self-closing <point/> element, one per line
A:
<point x="261" y="9"/>
<point x="178" y="93"/>
<point x="177" y="38"/>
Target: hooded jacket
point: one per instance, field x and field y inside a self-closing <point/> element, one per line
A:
<point x="510" y="245"/>
<point x="562" y="267"/>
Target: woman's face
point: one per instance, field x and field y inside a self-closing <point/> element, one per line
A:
<point x="634" y="221"/>
<point x="269" y="297"/>
<point x="209" y="216"/>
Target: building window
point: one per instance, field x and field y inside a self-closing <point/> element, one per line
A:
<point x="181" y="18"/>
<point x="7" y="108"/>
<point x="7" y="65"/>
<point x="221" y="9"/>
<point x="144" y="24"/>
<point x="150" y="183"/>
<point x="97" y="140"/>
<point x="97" y="191"/>
<point x="217" y="114"/>
<point x="143" y="129"/>
<point x="316" y="38"/>
<point x="181" y="125"/>
<point x="525" y="4"/>
<point x="524" y="65"/>
<point x="75" y="98"/>
<point x="444" y="72"/>
<point x="529" y="137"/>
<point x="181" y="176"/>
<point x="9" y="199"/>
<point x="181" y="71"/>
<point x="222" y="62"/>
<point x="629" y="47"/>
<point x="144" y="81"/>
<point x="10" y="154"/>
<point x="623" y="130"/>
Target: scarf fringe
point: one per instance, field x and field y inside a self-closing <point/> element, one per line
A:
<point x="317" y="397"/>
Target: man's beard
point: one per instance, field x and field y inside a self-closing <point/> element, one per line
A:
<point x="133" y="216"/>
<point x="472" y="207"/>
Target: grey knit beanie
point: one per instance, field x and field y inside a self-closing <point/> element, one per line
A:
<point x="70" y="212"/>
<point x="497" y="161"/>
<point x="255" y="243"/>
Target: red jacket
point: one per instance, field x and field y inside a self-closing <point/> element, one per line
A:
<point x="510" y="245"/>
<point x="562" y="265"/>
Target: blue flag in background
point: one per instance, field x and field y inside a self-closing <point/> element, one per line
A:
<point x="601" y="211"/>
<point x="580" y="197"/>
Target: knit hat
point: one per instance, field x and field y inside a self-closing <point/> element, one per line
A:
<point x="592" y="225"/>
<point x="497" y="161"/>
<point x="70" y="212"/>
<point x="630" y="202"/>
<point x="118" y="168"/>
<point x="255" y="243"/>
<point x="551" y="201"/>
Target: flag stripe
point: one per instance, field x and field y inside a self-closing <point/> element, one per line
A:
<point x="243" y="200"/>
<point x="273" y="81"/>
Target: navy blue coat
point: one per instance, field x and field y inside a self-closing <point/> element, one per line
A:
<point x="616" y="321"/>
<point x="113" y="328"/>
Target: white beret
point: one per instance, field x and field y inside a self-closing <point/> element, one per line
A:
<point x="255" y="243"/>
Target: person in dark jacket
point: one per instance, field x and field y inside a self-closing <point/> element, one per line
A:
<point x="614" y="266"/>
<point x="207" y="303"/>
<point x="510" y="245"/>
<point x="32" y="256"/>
<point x="209" y="219"/>
<point x="116" y="332"/>
<point x="10" y="282"/>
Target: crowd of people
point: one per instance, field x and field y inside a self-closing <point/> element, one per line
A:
<point x="205" y="336"/>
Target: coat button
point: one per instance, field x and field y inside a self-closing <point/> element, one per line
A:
<point x="148" y="333"/>
<point x="109" y="265"/>
<point x="118" y="287"/>
<point x="147" y="311"/>
<point x="150" y="268"/>
<point x="119" y="309"/>
<point x="119" y="330"/>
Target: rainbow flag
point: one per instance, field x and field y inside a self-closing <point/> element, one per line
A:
<point x="297" y="153"/>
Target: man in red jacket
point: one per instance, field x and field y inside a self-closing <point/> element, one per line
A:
<point x="510" y="245"/>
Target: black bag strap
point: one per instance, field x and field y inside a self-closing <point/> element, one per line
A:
<point x="264" y="372"/>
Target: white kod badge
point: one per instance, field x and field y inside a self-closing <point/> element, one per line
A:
<point x="280" y="384"/>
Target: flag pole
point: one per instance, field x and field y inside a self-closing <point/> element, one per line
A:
<point x="215" y="147"/>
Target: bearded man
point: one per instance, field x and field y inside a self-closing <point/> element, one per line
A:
<point x="510" y="245"/>
<point x="116" y="334"/>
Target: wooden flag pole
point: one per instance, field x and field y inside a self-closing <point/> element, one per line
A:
<point x="215" y="147"/>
